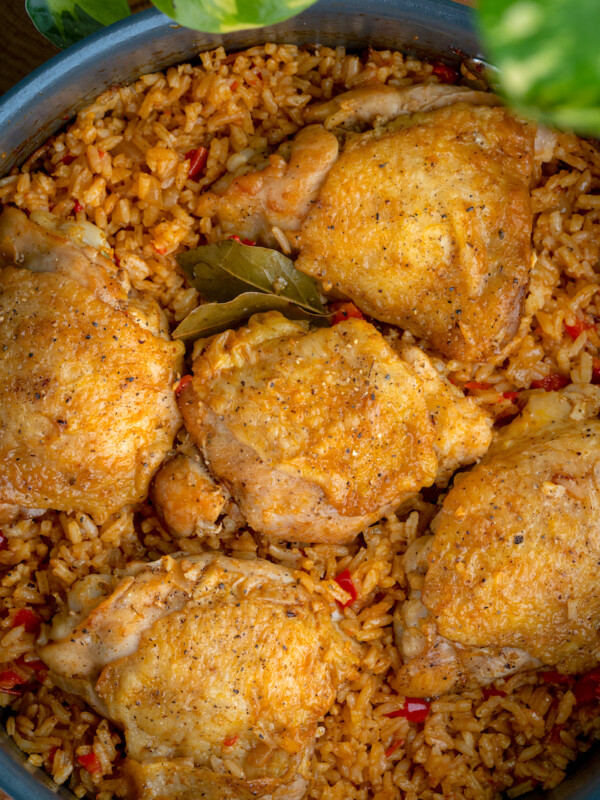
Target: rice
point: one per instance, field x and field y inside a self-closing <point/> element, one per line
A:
<point x="122" y="165"/>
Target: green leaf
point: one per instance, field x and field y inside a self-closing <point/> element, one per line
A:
<point x="223" y="270"/>
<point x="221" y="16"/>
<point x="548" y="56"/>
<point x="65" y="22"/>
<point x="212" y="318"/>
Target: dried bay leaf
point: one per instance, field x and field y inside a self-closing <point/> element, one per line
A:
<point x="211" y="318"/>
<point x="223" y="270"/>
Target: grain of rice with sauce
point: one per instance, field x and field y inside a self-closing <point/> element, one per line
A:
<point x="123" y="166"/>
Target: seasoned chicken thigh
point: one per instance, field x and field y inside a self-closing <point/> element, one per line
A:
<point x="424" y="221"/>
<point x="86" y="377"/>
<point x="443" y="222"/>
<point x="509" y="578"/>
<point x="218" y="671"/>
<point x="319" y="433"/>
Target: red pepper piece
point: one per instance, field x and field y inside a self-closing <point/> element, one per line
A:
<point x="35" y="664"/>
<point x="249" y="242"/>
<point x="342" y="311"/>
<point x="555" y="734"/>
<point x="586" y="691"/>
<point x="230" y="741"/>
<point x="491" y="691"/>
<point x="471" y="385"/>
<point x="185" y="381"/>
<point x="68" y="159"/>
<point x="3" y="541"/>
<point x="344" y="580"/>
<point x="28" y="619"/>
<point x="78" y="207"/>
<point x="596" y="370"/>
<point x="414" y="710"/>
<point x="234" y="86"/>
<point x="512" y="396"/>
<point x="393" y="747"/>
<point x="444" y="73"/>
<point x="552" y="676"/>
<point x="9" y="679"/>
<point x="90" y="761"/>
<point x="551" y="383"/>
<point x="592" y="675"/>
<point x="198" y="159"/>
<point x="578" y="327"/>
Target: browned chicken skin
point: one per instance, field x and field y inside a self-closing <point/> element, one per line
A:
<point x="446" y="233"/>
<point x="509" y="578"/>
<point x="317" y="434"/>
<point x="218" y="670"/>
<point x="86" y="377"/>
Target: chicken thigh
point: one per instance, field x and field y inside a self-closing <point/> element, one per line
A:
<point x="317" y="434"/>
<point x="86" y="377"/>
<point x="509" y="579"/>
<point x="218" y="671"/>
<point x="424" y="221"/>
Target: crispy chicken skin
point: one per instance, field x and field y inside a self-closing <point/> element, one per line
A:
<point x="317" y="433"/>
<point x="510" y="575"/>
<point x="186" y="497"/>
<point x="278" y="195"/>
<point x="85" y="390"/>
<point x="205" y="661"/>
<point x="446" y="229"/>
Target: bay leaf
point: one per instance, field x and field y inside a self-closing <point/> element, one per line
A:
<point x="211" y="318"/>
<point x="223" y="270"/>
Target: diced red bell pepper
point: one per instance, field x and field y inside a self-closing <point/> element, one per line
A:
<point x="28" y="619"/>
<point x="36" y="664"/>
<point x="230" y="741"/>
<point x="512" y="396"/>
<point x="586" y="691"/>
<point x="470" y="385"/>
<point x="185" y="381"/>
<point x="90" y="761"/>
<point x="78" y="207"/>
<point x="249" y="242"/>
<point x="578" y="327"/>
<point x="344" y="580"/>
<point x="491" y="691"/>
<point x="393" y="747"/>
<point x="414" y="710"/>
<point x="3" y="541"/>
<point x="553" y="676"/>
<point x="68" y="159"/>
<point x="596" y="370"/>
<point x="444" y="73"/>
<point x="9" y="679"/>
<point x="343" y="311"/>
<point x="551" y="383"/>
<point x="555" y="734"/>
<point x="197" y="159"/>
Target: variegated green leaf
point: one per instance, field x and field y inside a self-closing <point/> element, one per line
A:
<point x="65" y="22"/>
<point x="220" y="16"/>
